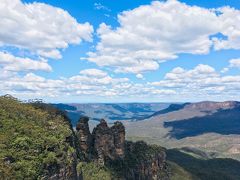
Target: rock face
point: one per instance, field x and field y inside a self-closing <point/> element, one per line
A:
<point x="118" y="131"/>
<point x="145" y="162"/>
<point x="208" y="105"/>
<point x="84" y="135"/>
<point x="104" y="143"/>
<point x="107" y="146"/>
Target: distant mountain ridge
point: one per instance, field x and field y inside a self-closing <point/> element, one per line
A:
<point x="210" y="105"/>
<point x="170" y="108"/>
<point x="207" y="106"/>
<point x="209" y="126"/>
<point x="111" y="111"/>
<point x="224" y="121"/>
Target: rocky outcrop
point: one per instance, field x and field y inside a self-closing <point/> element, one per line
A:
<point x="107" y="146"/>
<point x="118" y="131"/>
<point x="84" y="135"/>
<point x="105" y="143"/>
<point x="63" y="172"/>
<point x="145" y="162"/>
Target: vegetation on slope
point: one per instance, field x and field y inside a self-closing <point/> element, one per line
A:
<point x="210" y="169"/>
<point x="139" y="158"/>
<point x="32" y="140"/>
<point x="37" y="141"/>
<point x="92" y="171"/>
<point x="178" y="173"/>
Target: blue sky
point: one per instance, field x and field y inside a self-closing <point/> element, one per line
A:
<point x="137" y="51"/>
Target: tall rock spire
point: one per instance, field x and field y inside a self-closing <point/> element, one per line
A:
<point x="84" y="135"/>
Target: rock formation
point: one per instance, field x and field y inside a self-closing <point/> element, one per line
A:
<point x="104" y="143"/>
<point x="146" y="162"/>
<point x="107" y="146"/>
<point x="84" y="135"/>
<point x="118" y="131"/>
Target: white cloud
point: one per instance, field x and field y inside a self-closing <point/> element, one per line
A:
<point x="224" y="70"/>
<point x="40" y="28"/>
<point x="230" y="27"/>
<point x="201" y="82"/>
<point x="12" y="63"/>
<point x="235" y="63"/>
<point x="154" y="33"/>
<point x="93" y="72"/>
<point x="139" y="76"/>
<point x="85" y="84"/>
<point x="151" y="34"/>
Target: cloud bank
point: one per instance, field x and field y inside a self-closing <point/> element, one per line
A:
<point x="151" y="34"/>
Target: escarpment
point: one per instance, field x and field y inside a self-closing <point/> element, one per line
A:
<point x="105" y="143"/>
<point x="107" y="147"/>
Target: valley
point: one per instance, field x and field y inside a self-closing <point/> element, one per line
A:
<point x="211" y="127"/>
<point x="126" y="149"/>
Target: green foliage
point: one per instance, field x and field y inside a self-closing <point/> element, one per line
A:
<point x="135" y="154"/>
<point x="210" y="169"/>
<point x="32" y="138"/>
<point x="50" y="159"/>
<point x="92" y="171"/>
<point x="178" y="173"/>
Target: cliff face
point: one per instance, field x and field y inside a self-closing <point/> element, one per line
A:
<point x="107" y="146"/>
<point x="118" y="131"/>
<point x="84" y="136"/>
<point x="104" y="143"/>
<point x="145" y="162"/>
<point x="208" y="105"/>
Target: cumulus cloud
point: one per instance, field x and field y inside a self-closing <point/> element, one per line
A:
<point x="10" y="62"/>
<point x="151" y="34"/>
<point x="230" y="28"/>
<point x="139" y="76"/>
<point x="235" y="63"/>
<point x="200" y="82"/>
<point x="93" y="72"/>
<point x="40" y="28"/>
<point x="86" y="84"/>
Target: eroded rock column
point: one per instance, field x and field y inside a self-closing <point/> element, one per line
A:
<point x="84" y="135"/>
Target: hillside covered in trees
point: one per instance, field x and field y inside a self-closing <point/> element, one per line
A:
<point x="37" y="141"/>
